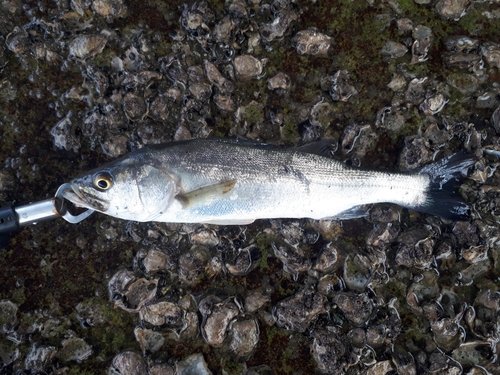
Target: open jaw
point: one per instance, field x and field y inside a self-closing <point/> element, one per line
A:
<point x="81" y="198"/>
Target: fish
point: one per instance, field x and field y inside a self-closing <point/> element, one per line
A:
<point x="235" y="182"/>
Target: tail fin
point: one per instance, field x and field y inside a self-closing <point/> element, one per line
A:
<point x="442" y="197"/>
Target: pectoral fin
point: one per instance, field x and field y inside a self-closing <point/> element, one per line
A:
<point x="206" y="194"/>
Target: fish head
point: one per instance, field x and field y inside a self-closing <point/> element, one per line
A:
<point x="126" y="189"/>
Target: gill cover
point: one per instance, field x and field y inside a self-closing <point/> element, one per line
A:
<point x="155" y="190"/>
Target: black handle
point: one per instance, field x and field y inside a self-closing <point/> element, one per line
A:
<point x="9" y="222"/>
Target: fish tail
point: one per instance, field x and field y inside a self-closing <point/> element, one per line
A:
<point x="443" y="198"/>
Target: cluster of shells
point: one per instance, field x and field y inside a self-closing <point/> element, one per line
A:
<point x="352" y="299"/>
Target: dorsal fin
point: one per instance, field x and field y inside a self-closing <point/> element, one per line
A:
<point x="325" y="147"/>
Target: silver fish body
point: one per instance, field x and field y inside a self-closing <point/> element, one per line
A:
<point x="229" y="182"/>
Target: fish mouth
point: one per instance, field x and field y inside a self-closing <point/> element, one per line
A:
<point x="81" y="197"/>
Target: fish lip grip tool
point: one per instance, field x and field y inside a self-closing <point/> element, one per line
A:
<point x="13" y="218"/>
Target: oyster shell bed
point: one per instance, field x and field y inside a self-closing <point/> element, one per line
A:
<point x="396" y="84"/>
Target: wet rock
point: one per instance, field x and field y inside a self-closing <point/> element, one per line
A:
<point x="255" y="301"/>
<point x="163" y="313"/>
<point x="204" y="236"/>
<point x="448" y="333"/>
<point x="161" y="369"/>
<point x="328" y="285"/>
<point x="90" y="314"/>
<point x="114" y="145"/>
<point x="330" y="350"/>
<point x="196" y="19"/>
<point x="398" y="83"/>
<point x="225" y="102"/>
<point x="248" y="67"/>
<point x="495" y="119"/>
<point x="8" y="314"/>
<point x="74" y="349"/>
<point x="475" y="254"/>
<point x="415" y="93"/>
<point x="491" y="53"/>
<point x="300" y="310"/>
<point x="423" y="38"/>
<point x="461" y="59"/>
<point x="134" y="106"/>
<point x="436" y="136"/>
<point x="294" y="258"/>
<point x="8" y="91"/>
<point x="467" y="84"/>
<point x="159" y="108"/>
<point x="418" y="255"/>
<point x="87" y="46"/>
<point x="404" y="25"/>
<point x="280" y="81"/>
<point x="357" y="337"/>
<point x="128" y="362"/>
<point x="216" y="318"/>
<point x="244" y="337"/>
<point x="383" y="235"/>
<point x="415" y="154"/>
<point x="279" y="26"/>
<point x="357" y="308"/>
<point x="149" y="340"/>
<point x="487" y="100"/>
<point x="155" y="261"/>
<point x="466" y="233"/>
<point x="473" y="272"/>
<point x="357" y="272"/>
<point x="193" y="365"/>
<point x="440" y="363"/>
<point x="62" y="134"/>
<point x="404" y="362"/>
<point x="200" y="91"/>
<point x="423" y="289"/>
<point x="489" y="299"/>
<point x="311" y="42"/>
<point x="461" y="43"/>
<point x="223" y="30"/>
<point x="452" y="9"/>
<point x="138" y="294"/>
<point x="474" y="353"/>
<point x="192" y="264"/>
<point x="393" y="49"/>
<point x="39" y="357"/>
<point x="358" y="140"/>
<point x="109" y="8"/>
<point x="433" y="104"/>
<point x="339" y="86"/>
<point x="390" y="119"/>
<point x="327" y="259"/>
<point x="244" y="262"/>
<point x="216" y="78"/>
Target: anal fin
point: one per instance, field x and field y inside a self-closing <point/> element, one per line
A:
<point x="230" y="222"/>
<point x="351" y="213"/>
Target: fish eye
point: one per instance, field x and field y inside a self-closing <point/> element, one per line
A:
<point x="103" y="181"/>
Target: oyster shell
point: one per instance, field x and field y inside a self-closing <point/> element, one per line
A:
<point x="217" y="316"/>
<point x="128" y="362"/>
<point x="87" y="46"/>
<point x="311" y="42"/>
<point x="248" y="67"/>
<point x="299" y="311"/>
